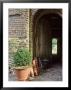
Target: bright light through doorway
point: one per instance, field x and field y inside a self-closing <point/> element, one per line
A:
<point x="54" y="46"/>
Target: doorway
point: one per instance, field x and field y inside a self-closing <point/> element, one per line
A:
<point x="48" y="27"/>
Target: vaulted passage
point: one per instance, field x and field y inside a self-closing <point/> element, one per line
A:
<point x="47" y="36"/>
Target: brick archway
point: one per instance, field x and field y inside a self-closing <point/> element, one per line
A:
<point x="42" y="48"/>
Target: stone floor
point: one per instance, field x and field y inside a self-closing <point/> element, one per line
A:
<point x="51" y="74"/>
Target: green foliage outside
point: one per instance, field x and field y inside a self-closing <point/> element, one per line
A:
<point x="54" y="46"/>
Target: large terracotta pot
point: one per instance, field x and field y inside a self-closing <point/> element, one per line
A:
<point x="22" y="74"/>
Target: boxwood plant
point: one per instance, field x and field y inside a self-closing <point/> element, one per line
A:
<point x="22" y="58"/>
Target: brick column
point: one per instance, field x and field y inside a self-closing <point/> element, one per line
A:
<point x="30" y="33"/>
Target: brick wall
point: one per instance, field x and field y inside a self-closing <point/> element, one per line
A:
<point x="18" y="30"/>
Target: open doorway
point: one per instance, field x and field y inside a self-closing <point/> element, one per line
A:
<point x="47" y="35"/>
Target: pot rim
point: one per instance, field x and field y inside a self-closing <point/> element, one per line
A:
<point x="21" y="67"/>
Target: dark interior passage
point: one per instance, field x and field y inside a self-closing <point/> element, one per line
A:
<point x="48" y="27"/>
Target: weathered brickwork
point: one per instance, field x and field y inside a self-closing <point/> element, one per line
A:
<point x="18" y="30"/>
<point x="19" y="26"/>
<point x="31" y="16"/>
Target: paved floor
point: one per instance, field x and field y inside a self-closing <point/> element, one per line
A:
<point x="52" y="74"/>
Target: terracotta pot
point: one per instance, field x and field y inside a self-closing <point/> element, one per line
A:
<point x="22" y="74"/>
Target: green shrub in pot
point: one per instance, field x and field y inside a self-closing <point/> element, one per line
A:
<point x="23" y="63"/>
<point x="22" y="58"/>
